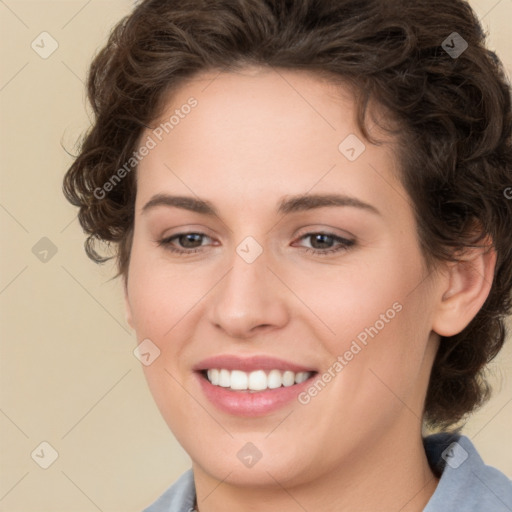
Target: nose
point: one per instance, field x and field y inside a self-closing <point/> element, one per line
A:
<point x="249" y="299"/>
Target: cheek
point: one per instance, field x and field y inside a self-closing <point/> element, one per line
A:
<point x="160" y="294"/>
<point x="159" y="301"/>
<point x="379" y="321"/>
<point x="361" y="298"/>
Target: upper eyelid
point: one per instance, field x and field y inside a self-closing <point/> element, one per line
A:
<point x="325" y="231"/>
<point x="329" y="230"/>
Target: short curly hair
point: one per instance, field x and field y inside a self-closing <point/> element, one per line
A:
<point x="424" y="61"/>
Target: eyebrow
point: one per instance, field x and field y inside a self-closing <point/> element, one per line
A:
<point x="286" y="206"/>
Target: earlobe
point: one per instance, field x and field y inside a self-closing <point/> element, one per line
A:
<point x="469" y="283"/>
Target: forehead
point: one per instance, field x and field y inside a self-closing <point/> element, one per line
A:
<point x="261" y="133"/>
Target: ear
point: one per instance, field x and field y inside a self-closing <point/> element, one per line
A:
<point x="465" y="289"/>
<point x="128" y="308"/>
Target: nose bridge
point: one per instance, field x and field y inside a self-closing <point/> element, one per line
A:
<point x="245" y="284"/>
<point x="246" y="298"/>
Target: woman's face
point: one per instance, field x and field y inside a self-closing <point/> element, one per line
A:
<point x="302" y="262"/>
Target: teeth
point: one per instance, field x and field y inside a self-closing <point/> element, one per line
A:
<point x="257" y="380"/>
<point x="224" y="378"/>
<point x="239" y="380"/>
<point x="213" y="377"/>
<point x="288" y="379"/>
<point x="302" y="376"/>
<point x="274" y="379"/>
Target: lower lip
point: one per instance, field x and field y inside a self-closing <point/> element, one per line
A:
<point x="251" y="403"/>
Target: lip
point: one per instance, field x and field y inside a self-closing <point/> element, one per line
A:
<point x="250" y="403"/>
<point x="249" y="364"/>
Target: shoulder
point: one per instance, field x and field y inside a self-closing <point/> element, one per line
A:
<point x="466" y="482"/>
<point x="179" y="497"/>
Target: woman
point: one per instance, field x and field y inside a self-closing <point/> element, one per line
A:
<point x="308" y="201"/>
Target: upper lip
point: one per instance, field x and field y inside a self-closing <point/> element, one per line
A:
<point x="248" y="364"/>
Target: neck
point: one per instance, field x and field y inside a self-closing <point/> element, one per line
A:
<point x="392" y="474"/>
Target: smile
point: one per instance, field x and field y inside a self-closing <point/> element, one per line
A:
<point x="258" y="380"/>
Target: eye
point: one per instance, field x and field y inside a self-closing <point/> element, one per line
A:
<point x="190" y="242"/>
<point x="322" y="243"/>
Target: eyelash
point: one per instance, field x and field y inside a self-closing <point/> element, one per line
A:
<point x="344" y="244"/>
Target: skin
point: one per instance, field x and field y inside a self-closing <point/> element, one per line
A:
<point x="258" y="136"/>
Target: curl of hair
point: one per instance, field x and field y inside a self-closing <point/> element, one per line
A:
<point x="454" y="115"/>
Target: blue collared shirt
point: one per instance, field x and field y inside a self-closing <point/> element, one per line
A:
<point x="466" y="484"/>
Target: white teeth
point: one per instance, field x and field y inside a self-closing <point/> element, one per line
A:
<point x="224" y="378"/>
<point x="239" y="380"/>
<point x="257" y="380"/>
<point x="274" y="379"/>
<point x="213" y="376"/>
<point x="301" y="377"/>
<point x="288" y="379"/>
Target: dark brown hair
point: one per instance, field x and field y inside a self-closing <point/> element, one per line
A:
<point x="454" y="112"/>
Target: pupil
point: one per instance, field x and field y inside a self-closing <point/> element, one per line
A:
<point x="185" y="239"/>
<point x="322" y="240"/>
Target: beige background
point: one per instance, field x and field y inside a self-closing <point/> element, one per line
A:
<point x="68" y="374"/>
